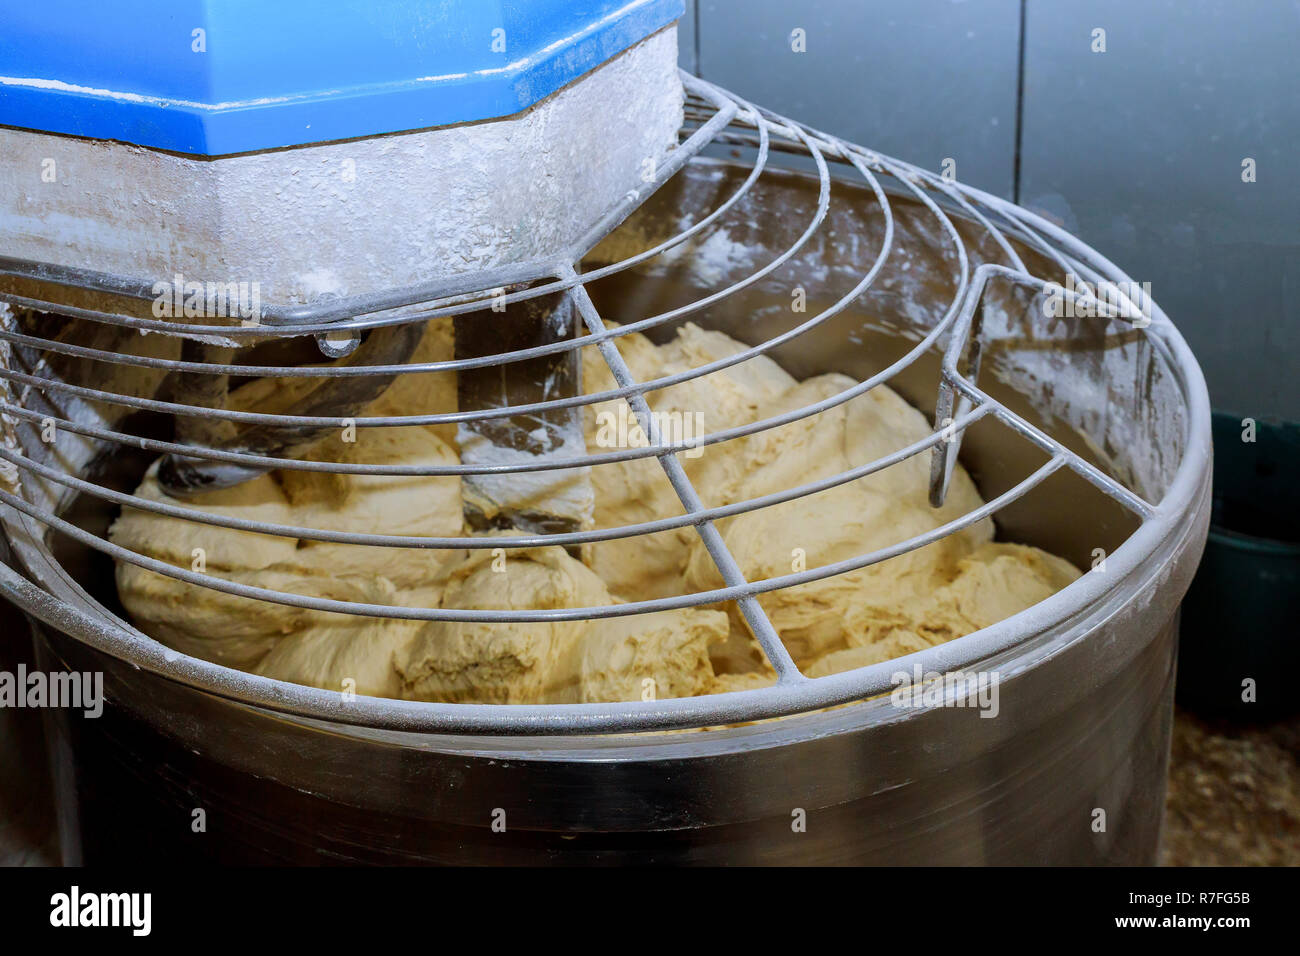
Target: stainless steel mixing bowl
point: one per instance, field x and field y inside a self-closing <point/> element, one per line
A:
<point x="1071" y="770"/>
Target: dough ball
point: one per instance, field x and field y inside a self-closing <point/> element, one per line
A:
<point x="646" y="567"/>
<point x="425" y="393"/>
<point x="424" y="506"/>
<point x="995" y="582"/>
<point x="553" y="662"/>
<point x="891" y="608"/>
<point x="240" y="631"/>
<point x="345" y="652"/>
<point x="841" y="523"/>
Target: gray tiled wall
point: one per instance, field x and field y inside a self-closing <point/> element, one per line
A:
<point x="923" y="79"/>
<point x="1138" y="149"/>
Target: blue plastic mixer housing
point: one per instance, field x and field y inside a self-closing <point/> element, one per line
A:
<point x="216" y="77"/>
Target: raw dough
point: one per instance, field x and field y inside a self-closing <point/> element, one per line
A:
<point x="655" y="655"/>
<point x="241" y="631"/>
<point x="956" y="585"/>
<point x="844" y="522"/>
<point x="644" y="567"/>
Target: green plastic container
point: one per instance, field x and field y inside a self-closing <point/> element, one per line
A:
<point x="1241" y="617"/>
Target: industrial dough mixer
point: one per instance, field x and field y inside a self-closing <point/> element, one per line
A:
<point x="586" y="192"/>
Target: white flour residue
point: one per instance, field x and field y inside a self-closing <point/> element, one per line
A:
<point x="714" y="260"/>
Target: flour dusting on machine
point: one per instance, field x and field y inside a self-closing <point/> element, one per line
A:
<point x="298" y="184"/>
<point x="314" y="325"/>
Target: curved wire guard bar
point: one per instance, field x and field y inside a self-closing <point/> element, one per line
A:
<point x="713" y="117"/>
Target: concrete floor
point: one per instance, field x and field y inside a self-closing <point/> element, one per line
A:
<point x="1234" y="794"/>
